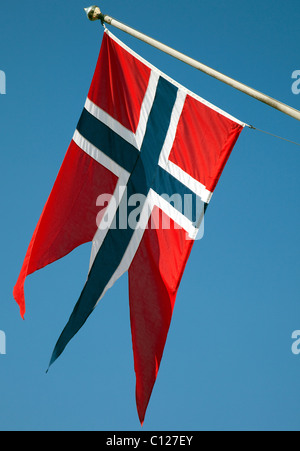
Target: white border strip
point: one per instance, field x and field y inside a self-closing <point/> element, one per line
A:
<point x="198" y="188"/>
<point x="98" y="155"/>
<point x="110" y="122"/>
<point x="191" y="183"/>
<point x="171" y="133"/>
<point x="158" y="201"/>
<point x="146" y="108"/>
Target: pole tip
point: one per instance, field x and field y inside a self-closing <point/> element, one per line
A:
<point x="93" y="12"/>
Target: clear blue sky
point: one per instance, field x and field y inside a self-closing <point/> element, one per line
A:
<point x="228" y="363"/>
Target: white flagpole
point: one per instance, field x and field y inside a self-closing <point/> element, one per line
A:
<point x="94" y="13"/>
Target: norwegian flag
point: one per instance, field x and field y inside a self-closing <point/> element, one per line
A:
<point x="142" y="138"/>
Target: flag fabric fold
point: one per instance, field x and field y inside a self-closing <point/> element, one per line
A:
<point x="150" y="154"/>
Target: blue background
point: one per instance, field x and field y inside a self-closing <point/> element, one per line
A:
<point x="228" y="363"/>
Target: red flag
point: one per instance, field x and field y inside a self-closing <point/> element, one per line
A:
<point x="151" y="153"/>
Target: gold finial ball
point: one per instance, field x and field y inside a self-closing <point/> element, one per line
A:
<point x="93" y="12"/>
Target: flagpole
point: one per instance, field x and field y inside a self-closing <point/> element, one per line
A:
<point x="94" y="13"/>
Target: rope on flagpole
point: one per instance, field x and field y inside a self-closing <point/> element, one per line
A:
<point x="272" y="134"/>
<point x="94" y="13"/>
